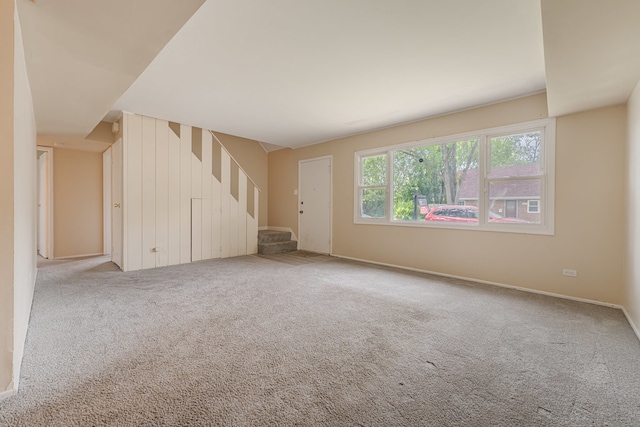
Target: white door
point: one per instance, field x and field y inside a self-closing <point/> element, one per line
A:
<point x="116" y="203"/>
<point x="43" y="175"/>
<point x="314" y="205"/>
<point x="106" y="201"/>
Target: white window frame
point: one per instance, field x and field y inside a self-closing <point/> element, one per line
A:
<point x="360" y="186"/>
<point x="537" y="203"/>
<point x="547" y="127"/>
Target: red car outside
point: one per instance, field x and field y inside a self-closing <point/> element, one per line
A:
<point x="464" y="214"/>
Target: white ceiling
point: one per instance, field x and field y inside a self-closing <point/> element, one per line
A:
<point x="82" y="55"/>
<point x="293" y="73"/>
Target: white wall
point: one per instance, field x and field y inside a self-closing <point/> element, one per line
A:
<point x="177" y="205"/>
<point x="632" y="297"/>
<point x="19" y="192"/>
<point x="25" y="202"/>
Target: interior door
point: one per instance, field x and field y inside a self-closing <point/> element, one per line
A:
<point x="116" y="200"/>
<point x="314" y="205"/>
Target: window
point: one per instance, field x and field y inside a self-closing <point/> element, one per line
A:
<point x="437" y="172"/>
<point x="373" y="186"/>
<point x="476" y="180"/>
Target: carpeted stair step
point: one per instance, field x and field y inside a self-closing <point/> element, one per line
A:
<point x="277" y="247"/>
<point x="275" y="242"/>
<point x="272" y="236"/>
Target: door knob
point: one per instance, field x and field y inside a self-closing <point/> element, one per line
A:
<point x="301" y="211"/>
<point x="116" y="205"/>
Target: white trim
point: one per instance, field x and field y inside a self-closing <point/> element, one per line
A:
<point x="486" y="282"/>
<point x="49" y="198"/>
<point x="285" y="229"/>
<point x="357" y="189"/>
<point x="106" y="201"/>
<point x="8" y="393"/>
<point x="124" y="250"/>
<point x="630" y="320"/>
<point x="80" y="256"/>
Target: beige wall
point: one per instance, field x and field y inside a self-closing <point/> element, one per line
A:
<point x="103" y="133"/>
<point x="77" y="203"/>
<point x="632" y="295"/>
<point x="589" y="172"/>
<point x="6" y="191"/>
<point x="253" y="159"/>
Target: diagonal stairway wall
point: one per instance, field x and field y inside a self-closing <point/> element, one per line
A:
<point x="185" y="198"/>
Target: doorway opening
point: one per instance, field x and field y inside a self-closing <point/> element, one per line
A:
<point x="45" y="201"/>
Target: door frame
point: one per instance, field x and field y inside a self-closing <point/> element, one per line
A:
<point x="122" y="216"/>
<point x="313" y="159"/>
<point x="48" y="199"/>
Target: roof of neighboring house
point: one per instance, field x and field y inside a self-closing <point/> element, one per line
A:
<point x="504" y="189"/>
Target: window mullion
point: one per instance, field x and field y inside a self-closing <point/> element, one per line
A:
<point x="514" y="178"/>
<point x="483" y="160"/>
<point x="389" y="187"/>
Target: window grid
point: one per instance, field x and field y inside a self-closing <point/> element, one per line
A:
<point x="545" y="178"/>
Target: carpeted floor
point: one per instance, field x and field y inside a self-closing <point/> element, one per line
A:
<point x="312" y="340"/>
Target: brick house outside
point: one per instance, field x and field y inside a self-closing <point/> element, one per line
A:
<point x="510" y="199"/>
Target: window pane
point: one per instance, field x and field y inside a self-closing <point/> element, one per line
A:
<point x="515" y="155"/>
<point x="373" y="202"/>
<point x="374" y="170"/>
<point x="434" y="175"/>
<point x="509" y="200"/>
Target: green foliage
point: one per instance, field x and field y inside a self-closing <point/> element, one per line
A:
<point x="373" y="202"/>
<point x="435" y="171"/>
<point x="403" y="209"/>
<point x="521" y="149"/>
<point x="374" y="170"/>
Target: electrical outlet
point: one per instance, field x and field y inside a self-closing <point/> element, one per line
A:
<point x="570" y="273"/>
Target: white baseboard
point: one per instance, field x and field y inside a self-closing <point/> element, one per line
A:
<point x="8" y="393"/>
<point x="79" y="256"/>
<point x="630" y="320"/>
<point x="486" y="282"/>
<point x="293" y="235"/>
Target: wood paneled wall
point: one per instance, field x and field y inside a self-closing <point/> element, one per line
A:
<point x="178" y="203"/>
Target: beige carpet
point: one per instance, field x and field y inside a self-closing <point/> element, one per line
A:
<point x="312" y="340"/>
